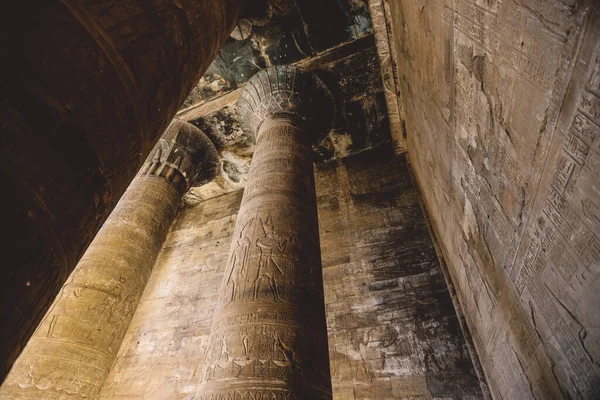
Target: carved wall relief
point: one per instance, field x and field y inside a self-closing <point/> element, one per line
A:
<point x="502" y="133"/>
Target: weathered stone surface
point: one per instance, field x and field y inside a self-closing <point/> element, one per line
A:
<point x="183" y="157"/>
<point x="392" y="326"/>
<point x="392" y="329"/>
<point x="500" y="102"/>
<point x="334" y="40"/>
<point x="290" y="94"/>
<point x="161" y="355"/>
<point x="88" y="88"/>
<point x="72" y="350"/>
<point x="389" y="73"/>
<point x="393" y="332"/>
<point x="268" y="337"/>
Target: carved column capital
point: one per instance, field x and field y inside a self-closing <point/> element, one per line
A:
<point x="184" y="157"/>
<point x="290" y="93"/>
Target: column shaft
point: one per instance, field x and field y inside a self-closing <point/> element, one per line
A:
<point x="72" y="350"/>
<point x="89" y="88"/>
<point x="269" y="338"/>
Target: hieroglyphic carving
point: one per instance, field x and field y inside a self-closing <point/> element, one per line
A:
<point x="264" y="260"/>
<point x="259" y="351"/>
<point x="562" y="257"/>
<point x="73" y="348"/>
<point x="498" y="92"/>
<point x="239" y="263"/>
<point x="272" y="267"/>
<point x="46" y="382"/>
<point x="252" y="394"/>
<point x="269" y="331"/>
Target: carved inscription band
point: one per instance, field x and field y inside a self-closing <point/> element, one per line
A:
<point x="269" y="338"/>
<point x="72" y="350"/>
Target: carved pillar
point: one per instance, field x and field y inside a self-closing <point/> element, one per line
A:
<point x="73" y="348"/>
<point x="93" y="85"/>
<point x="269" y="337"/>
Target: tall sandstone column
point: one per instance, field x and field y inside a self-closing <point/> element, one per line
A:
<point x="89" y="88"/>
<point x="72" y="350"/>
<point x="269" y="336"/>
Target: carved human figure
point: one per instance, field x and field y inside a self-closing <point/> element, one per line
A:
<point x="270" y="268"/>
<point x="28" y="378"/>
<point x="275" y="321"/>
<point x="224" y="352"/>
<point x="281" y="351"/>
<point x="238" y="264"/>
<point x="74" y="386"/>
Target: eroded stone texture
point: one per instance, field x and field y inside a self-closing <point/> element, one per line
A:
<point x="161" y="355"/>
<point x="73" y="348"/>
<point x="90" y="86"/>
<point x="268" y="337"/>
<point x="392" y="330"/>
<point x="389" y="73"/>
<point x="507" y="159"/>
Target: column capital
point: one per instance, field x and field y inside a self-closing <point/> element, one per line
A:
<point x="287" y="92"/>
<point x="184" y="156"/>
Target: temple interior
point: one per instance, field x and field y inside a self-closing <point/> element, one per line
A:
<point x="300" y="199"/>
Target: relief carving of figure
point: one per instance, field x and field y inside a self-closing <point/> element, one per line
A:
<point x="245" y="359"/>
<point x="245" y="342"/>
<point x="282" y="353"/>
<point x="28" y="379"/>
<point x="117" y="322"/>
<point x="268" y="267"/>
<point x="264" y="345"/>
<point x="100" y="313"/>
<point x="224" y="351"/>
<point x="75" y="386"/>
<point x="83" y="314"/>
<point x="239" y="263"/>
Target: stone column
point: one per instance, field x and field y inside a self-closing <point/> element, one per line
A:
<point x="73" y="348"/>
<point x="93" y="85"/>
<point x="269" y="336"/>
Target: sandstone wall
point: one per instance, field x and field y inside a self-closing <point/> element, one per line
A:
<point x="501" y="106"/>
<point x="393" y="332"/>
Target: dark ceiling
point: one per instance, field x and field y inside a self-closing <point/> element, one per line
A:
<point x="335" y="40"/>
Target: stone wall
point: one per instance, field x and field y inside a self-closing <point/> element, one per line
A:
<point x="393" y="332"/>
<point x="161" y="355"/>
<point x="501" y="106"/>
